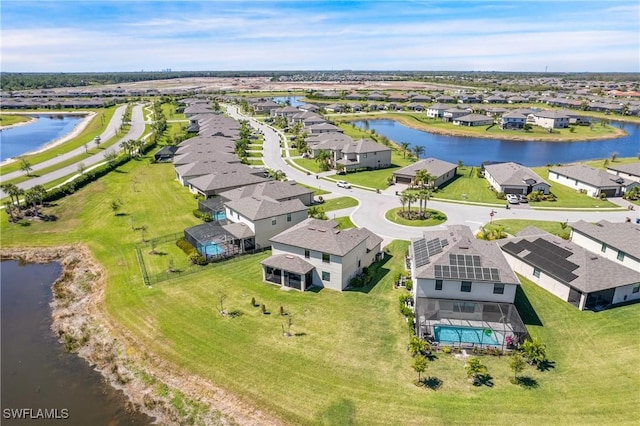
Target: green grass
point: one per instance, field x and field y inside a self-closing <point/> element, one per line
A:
<point x="254" y="154"/>
<point x="339" y="203"/>
<point x="467" y="186"/>
<point x="344" y="222"/>
<point x="348" y="363"/>
<point x="376" y="179"/>
<point x="8" y="119"/>
<point x="93" y="129"/>
<point x="316" y="191"/>
<point x="308" y="163"/>
<point x="567" y="196"/>
<point x="253" y="161"/>
<point x="392" y="216"/>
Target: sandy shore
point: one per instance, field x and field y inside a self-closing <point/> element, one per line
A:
<point x="77" y="130"/>
<point x="79" y="320"/>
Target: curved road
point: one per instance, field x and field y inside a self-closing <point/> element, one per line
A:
<point x="370" y="212"/>
<point x="136" y="131"/>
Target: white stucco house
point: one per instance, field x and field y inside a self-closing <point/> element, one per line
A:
<point x="317" y="253"/>
<point x="583" y="278"/>
<point x="619" y="242"/>
<point x="629" y="171"/>
<point x="590" y="180"/>
<point x="514" y="178"/>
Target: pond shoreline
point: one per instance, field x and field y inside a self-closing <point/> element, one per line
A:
<point x="81" y="323"/>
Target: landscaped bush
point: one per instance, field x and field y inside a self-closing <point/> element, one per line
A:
<point x="206" y="217"/>
<point x="186" y="247"/>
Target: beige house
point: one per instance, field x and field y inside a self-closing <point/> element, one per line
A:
<point x="514" y="178"/>
<point x="442" y="171"/>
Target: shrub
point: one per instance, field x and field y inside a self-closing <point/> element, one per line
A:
<point x="409" y="285"/>
<point x="186" y="247"/>
<point x="198" y="259"/>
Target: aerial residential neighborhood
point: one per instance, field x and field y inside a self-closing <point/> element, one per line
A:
<point x="320" y="213"/>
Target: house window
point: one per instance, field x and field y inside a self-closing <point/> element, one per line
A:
<point x="636" y="288"/>
<point x="603" y="248"/>
<point x="326" y="276"/>
<point x="288" y="217"/>
<point x="326" y="257"/>
<point x="536" y="272"/>
<point x="620" y="256"/>
<point x="359" y="263"/>
<point x="364" y="155"/>
<point x="498" y="288"/>
<point x="273" y="221"/>
<point x="307" y="254"/>
<point x="438" y="284"/>
<point x="465" y="287"/>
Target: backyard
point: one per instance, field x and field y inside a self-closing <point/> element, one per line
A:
<point x="348" y="349"/>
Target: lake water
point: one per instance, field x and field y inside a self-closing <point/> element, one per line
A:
<point x="19" y="140"/>
<point x="474" y="151"/>
<point x="294" y="101"/>
<point x="36" y="371"/>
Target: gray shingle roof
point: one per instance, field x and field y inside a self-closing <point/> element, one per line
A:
<point x="593" y="272"/>
<point x="631" y="168"/>
<point x="434" y="166"/>
<point x="239" y="230"/>
<point x="323" y="236"/>
<point x="460" y="241"/>
<point x="470" y="118"/>
<point x="223" y="180"/>
<point x="273" y="189"/>
<point x="595" y="177"/>
<point x="288" y="262"/>
<point x="512" y="174"/>
<point x="364" y="146"/>
<point x="623" y="236"/>
<point x="256" y="208"/>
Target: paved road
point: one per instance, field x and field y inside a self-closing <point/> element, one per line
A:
<point x="136" y="131"/>
<point x="370" y="212"/>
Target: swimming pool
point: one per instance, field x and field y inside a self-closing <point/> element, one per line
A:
<point x="213" y="249"/>
<point x="219" y="216"/>
<point x="457" y="334"/>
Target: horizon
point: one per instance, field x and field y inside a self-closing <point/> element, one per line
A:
<point x="508" y="36"/>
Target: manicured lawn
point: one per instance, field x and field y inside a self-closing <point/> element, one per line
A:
<point x="256" y="154"/>
<point x="376" y="179"/>
<point x="308" y="164"/>
<point x="344" y="222"/>
<point x="255" y="161"/>
<point x="604" y="163"/>
<point x="392" y="215"/>
<point x="513" y="226"/>
<point x="468" y="186"/>
<point x="338" y="203"/>
<point x="348" y="363"/>
<point x="567" y="196"/>
<point x="316" y="191"/>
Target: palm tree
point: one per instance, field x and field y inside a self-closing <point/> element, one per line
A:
<point x="323" y="158"/>
<point x="424" y="195"/>
<point x="411" y="198"/>
<point x="418" y="151"/>
<point x="12" y="191"/>
<point x="25" y="166"/>
<point x="9" y="208"/>
<point x="403" y="200"/>
<point x="405" y="148"/>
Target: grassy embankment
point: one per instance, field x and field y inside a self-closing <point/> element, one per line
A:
<point x="348" y="349"/>
<point x="9" y="120"/>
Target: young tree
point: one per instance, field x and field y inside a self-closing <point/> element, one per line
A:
<point x="405" y="148"/>
<point x="420" y="365"/>
<point x="115" y="206"/>
<point x="517" y="364"/>
<point x="110" y="156"/>
<point x="25" y="166"/>
<point x="475" y="368"/>
<point x="323" y="158"/>
<point x="81" y="168"/>
<point x="417" y="346"/>
<point x="535" y="351"/>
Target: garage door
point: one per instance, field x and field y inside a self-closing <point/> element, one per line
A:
<point x="609" y="192"/>
<point x="402" y="179"/>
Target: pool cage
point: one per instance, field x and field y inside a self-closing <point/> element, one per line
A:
<point x="469" y="324"/>
<point x="214" y="208"/>
<point x="214" y="242"/>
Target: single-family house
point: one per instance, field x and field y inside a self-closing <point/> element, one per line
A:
<point x="265" y="216"/>
<point x="463" y="290"/>
<point x="630" y="171"/>
<point x="265" y="107"/>
<point x="473" y="120"/>
<point x="165" y="154"/>
<point x="590" y="180"/>
<point x="441" y="171"/>
<point x="619" y="242"/>
<point x="286" y="112"/>
<point x="550" y="119"/>
<point x="514" y="178"/>
<point x="219" y="240"/>
<point x="437" y="110"/>
<point x="512" y="120"/>
<point x="576" y="275"/>
<point x="323" y="128"/>
<point x="317" y="253"/>
<point x="452" y="113"/>
<point x="277" y="190"/>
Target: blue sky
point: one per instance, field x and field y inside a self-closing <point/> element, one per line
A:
<point x="133" y="35"/>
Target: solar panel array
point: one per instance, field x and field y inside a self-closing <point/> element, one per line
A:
<point x="547" y="256"/>
<point x="467" y="272"/>
<point x="423" y="250"/>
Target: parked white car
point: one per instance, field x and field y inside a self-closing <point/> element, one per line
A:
<point x="344" y="184"/>
<point x="512" y="199"/>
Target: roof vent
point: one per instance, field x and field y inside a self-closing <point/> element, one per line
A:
<point x="337" y="231"/>
<point x="322" y="230"/>
<point x="311" y="228"/>
<point x="594" y="257"/>
<point x="288" y="256"/>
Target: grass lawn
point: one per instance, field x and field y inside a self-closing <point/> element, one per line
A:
<point x="467" y="186"/>
<point x="513" y="226"/>
<point x="604" y="163"/>
<point x="567" y="196"/>
<point x="392" y="216"/>
<point x="253" y="161"/>
<point x="344" y="222"/>
<point x="338" y="203"/>
<point x="257" y="154"/>
<point x="316" y="191"/>
<point x="348" y="362"/>
<point x="93" y="129"/>
<point x="308" y="164"/>
<point x="376" y="179"/>
<point x="8" y="119"/>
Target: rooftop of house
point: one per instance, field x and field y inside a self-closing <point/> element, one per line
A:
<point x="513" y="174"/>
<point x="256" y="208"/>
<point x="623" y="236"/>
<point x="567" y="262"/>
<point x="632" y="169"/>
<point x="434" y="167"/>
<point x="362" y="146"/>
<point x="455" y="254"/>
<point x="323" y="236"/>
<point x="274" y="189"/>
<point x="223" y="180"/>
<point x="594" y="177"/>
<point x="288" y="262"/>
<point x="473" y="117"/>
